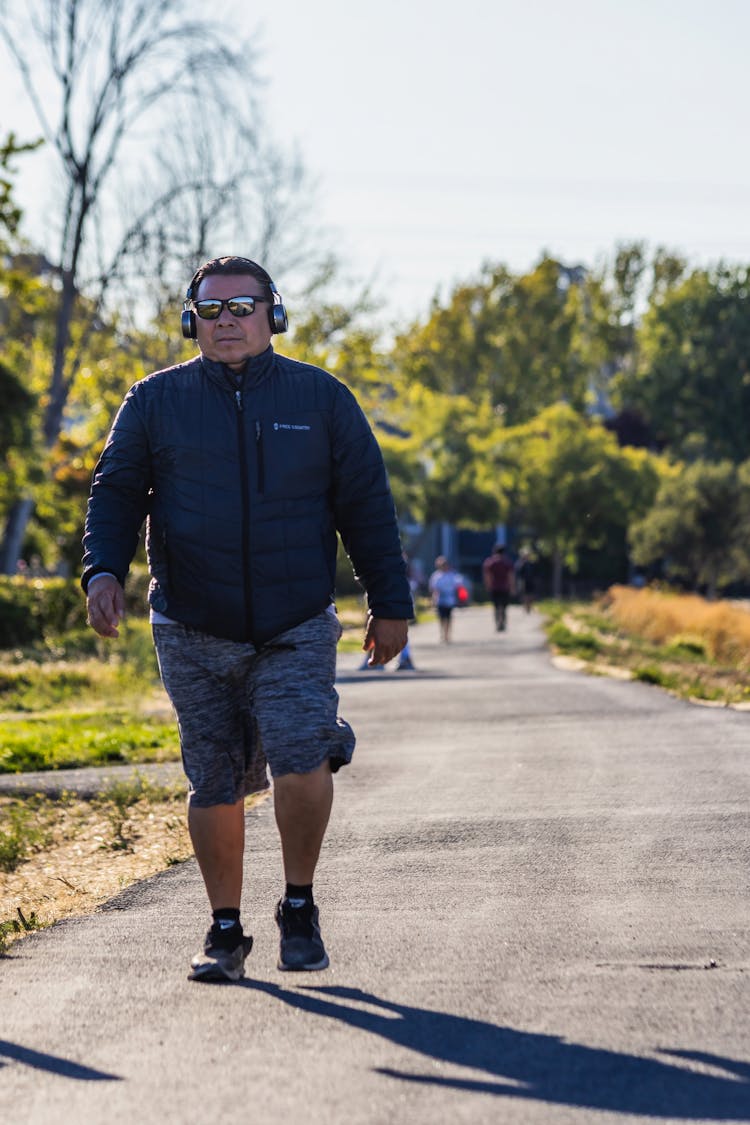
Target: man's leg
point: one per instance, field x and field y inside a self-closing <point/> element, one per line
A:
<point x="295" y="708"/>
<point x="218" y="836"/>
<point x="302" y="804"/>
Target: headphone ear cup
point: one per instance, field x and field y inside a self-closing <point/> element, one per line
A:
<point x="278" y="318"/>
<point x="187" y="322"/>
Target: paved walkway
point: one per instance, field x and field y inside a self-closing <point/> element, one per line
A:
<point x="89" y="781"/>
<point x="535" y="897"/>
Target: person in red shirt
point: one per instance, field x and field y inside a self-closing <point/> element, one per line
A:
<point x="500" y="583"/>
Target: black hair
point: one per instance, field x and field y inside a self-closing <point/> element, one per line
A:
<point x="233" y="265"/>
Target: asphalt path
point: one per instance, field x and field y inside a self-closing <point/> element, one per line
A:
<point x="534" y="893"/>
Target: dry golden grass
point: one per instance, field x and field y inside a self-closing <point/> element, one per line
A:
<point x="722" y="627"/>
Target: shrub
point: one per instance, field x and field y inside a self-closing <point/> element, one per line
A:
<point x="653" y="674"/>
<point x="687" y="648"/>
<point x="32" y="608"/>
<point x="24" y="830"/>
<point x="567" y="641"/>
<point x="37" y="609"/>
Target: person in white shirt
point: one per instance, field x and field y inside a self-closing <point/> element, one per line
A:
<point x="444" y="585"/>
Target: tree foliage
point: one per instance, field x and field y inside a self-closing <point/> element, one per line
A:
<point x="698" y="525"/>
<point x="120" y="89"/>
<point x="507" y="337"/>
<point x="571" y="483"/>
<point x="484" y="411"/>
<point x="692" y="378"/>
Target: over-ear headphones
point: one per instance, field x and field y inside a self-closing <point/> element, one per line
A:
<point x="277" y="318"/>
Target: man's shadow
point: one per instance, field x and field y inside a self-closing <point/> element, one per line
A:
<point x="53" y="1064"/>
<point x="521" y="1064"/>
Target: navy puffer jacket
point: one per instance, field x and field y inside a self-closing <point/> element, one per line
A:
<point x="245" y="483"/>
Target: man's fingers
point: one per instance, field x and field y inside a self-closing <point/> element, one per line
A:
<point x="385" y="638"/>
<point x="105" y="624"/>
<point x="106" y="605"/>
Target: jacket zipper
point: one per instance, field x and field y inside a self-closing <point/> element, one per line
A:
<point x="259" y="457"/>
<point x="245" y="494"/>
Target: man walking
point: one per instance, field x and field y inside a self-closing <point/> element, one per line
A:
<point x="499" y="581"/>
<point x="246" y="464"/>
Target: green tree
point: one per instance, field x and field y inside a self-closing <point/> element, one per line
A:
<point x="139" y="205"/>
<point x="692" y="378"/>
<point x="698" y="525"/>
<point x="453" y="439"/>
<point x="611" y="301"/>
<point x="504" y="336"/>
<point x="17" y="400"/>
<point x="570" y="484"/>
<point x="23" y="303"/>
<point x="10" y="211"/>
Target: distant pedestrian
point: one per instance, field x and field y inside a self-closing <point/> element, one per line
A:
<point x="526" y="578"/>
<point x="444" y="585"/>
<point x="499" y="581"/>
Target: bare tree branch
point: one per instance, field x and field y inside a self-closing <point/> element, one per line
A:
<point x="150" y="186"/>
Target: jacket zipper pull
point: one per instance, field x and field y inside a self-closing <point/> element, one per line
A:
<point x="238" y="399"/>
<point x="257" y="430"/>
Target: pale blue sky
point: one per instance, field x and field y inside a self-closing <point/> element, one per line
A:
<point x="447" y="133"/>
<point x="444" y="134"/>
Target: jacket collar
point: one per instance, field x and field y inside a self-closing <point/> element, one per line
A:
<point x="257" y="369"/>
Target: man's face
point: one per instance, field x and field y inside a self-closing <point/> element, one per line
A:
<point x="232" y="339"/>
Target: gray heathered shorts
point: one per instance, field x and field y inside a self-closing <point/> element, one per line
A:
<point x="239" y="708"/>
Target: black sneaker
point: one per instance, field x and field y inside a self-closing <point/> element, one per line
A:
<point x="301" y="948"/>
<point x="220" y="960"/>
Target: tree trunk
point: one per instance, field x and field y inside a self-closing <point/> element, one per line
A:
<point x="59" y="386"/>
<point x="13" y="537"/>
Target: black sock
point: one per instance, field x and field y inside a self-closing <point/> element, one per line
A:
<point x="226" y="931"/>
<point x="226" y="918"/>
<point x="299" y="895"/>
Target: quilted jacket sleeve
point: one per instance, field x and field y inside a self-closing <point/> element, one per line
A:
<point x="118" y="502"/>
<point x="365" y="513"/>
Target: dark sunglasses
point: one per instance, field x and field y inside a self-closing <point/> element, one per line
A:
<point x="210" y="308"/>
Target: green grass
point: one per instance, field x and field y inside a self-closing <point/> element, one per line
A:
<point x="23" y="925"/>
<point x="78" y="669"/>
<point x="76" y="700"/>
<point x="32" y="687"/>
<point x="687" y="648"/>
<point x="25" y="828"/>
<point x="61" y="741"/>
<point x="583" y="645"/>
<point x="653" y="674"/>
<point x="120" y="796"/>
<point x="28" y="823"/>
<point x="128" y="792"/>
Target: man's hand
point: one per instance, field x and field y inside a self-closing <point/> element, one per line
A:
<point x="384" y="638"/>
<point x="106" y="605"/>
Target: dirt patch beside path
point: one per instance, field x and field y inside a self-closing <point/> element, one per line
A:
<point x="93" y="852"/>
